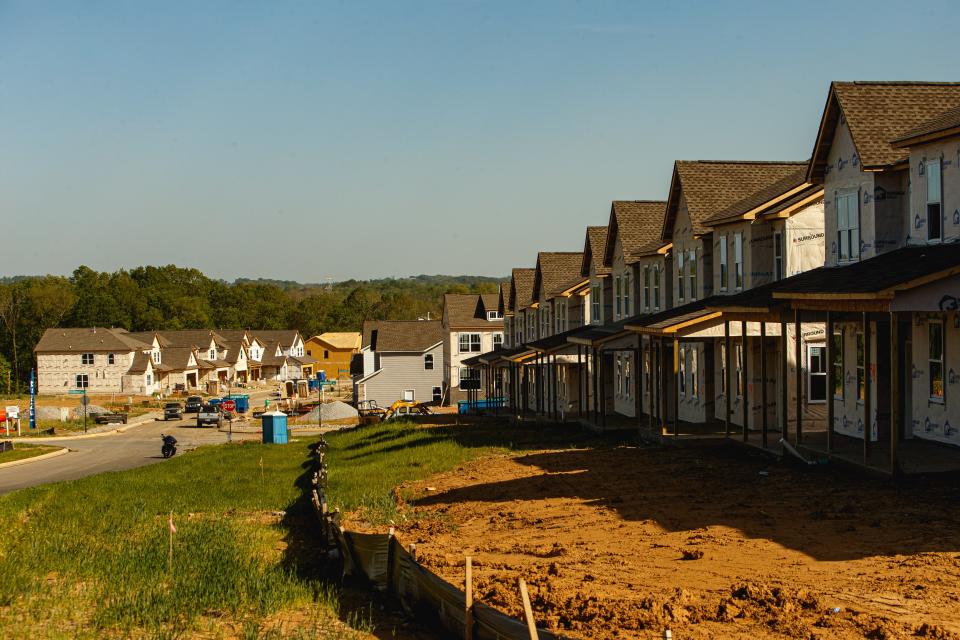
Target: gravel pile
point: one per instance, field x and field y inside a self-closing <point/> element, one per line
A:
<point x="92" y="410"/>
<point x="331" y="411"/>
<point x="50" y="413"/>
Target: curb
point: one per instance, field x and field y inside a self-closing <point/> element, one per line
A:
<point x="151" y="417"/>
<point x="44" y="456"/>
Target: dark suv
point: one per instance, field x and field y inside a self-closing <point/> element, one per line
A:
<point x="193" y="404"/>
<point x="172" y="411"/>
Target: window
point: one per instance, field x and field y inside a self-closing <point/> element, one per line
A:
<point x="497" y="340"/>
<point x="409" y="395"/>
<point x="212" y="354"/>
<point x="738" y="369"/>
<point x="544" y="321"/>
<point x="428" y="362"/>
<point x="646" y="288"/>
<point x="531" y="326"/>
<point x="156" y="357"/>
<point x="861" y="378"/>
<point x="466" y="373"/>
<point x="838" y="364"/>
<point x="694" y="386"/>
<point x="848" y="227"/>
<point x="692" y="268"/>
<point x="778" y="256"/>
<point x="437" y="394"/>
<point x="723" y="369"/>
<point x="738" y="261"/>
<point x="723" y="263"/>
<point x="934" y="201"/>
<point x="149" y="379"/>
<point x="86" y="358"/>
<point x="595" y="304"/>
<point x="628" y="376"/>
<point x="494" y="315"/>
<point x="560" y="317"/>
<point x="935" y="332"/>
<point x="648" y="379"/>
<point x="656" y="287"/>
<point x="82" y="381"/>
<point x="683" y="372"/>
<point x="816" y="374"/>
<point x="469" y="342"/>
<point x="110" y="358"/>
<point x="680" y="275"/>
<point x="619" y="375"/>
<point x="626" y="293"/>
<point x="616" y="297"/>
<point x="326" y="354"/>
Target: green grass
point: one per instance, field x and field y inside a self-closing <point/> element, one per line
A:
<point x="24" y="451"/>
<point x="89" y="558"/>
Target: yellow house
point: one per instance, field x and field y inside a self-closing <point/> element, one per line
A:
<point x="333" y="352"/>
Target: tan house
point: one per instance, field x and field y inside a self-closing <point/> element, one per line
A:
<point x="472" y="324"/>
<point x="333" y="353"/>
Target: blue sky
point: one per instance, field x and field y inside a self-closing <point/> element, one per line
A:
<point x="365" y="139"/>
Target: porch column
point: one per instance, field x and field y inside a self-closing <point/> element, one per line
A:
<point x="831" y="380"/>
<point x="763" y="383"/>
<point x="539" y="384"/>
<point x="867" y="413"/>
<point x="894" y="391"/>
<point x="744" y="378"/>
<point x="798" y="354"/>
<point x="579" y="381"/>
<point x="727" y="378"/>
<point x="784" y="396"/>
<point x="555" y="386"/>
<point x="658" y="373"/>
<point x="638" y="381"/>
<point x="676" y="386"/>
<point x="595" y="378"/>
<point x="603" y="392"/>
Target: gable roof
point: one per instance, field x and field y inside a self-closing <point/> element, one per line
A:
<point x="177" y="358"/>
<point x="710" y="186"/>
<point x="343" y="340"/>
<point x="594" y="245"/>
<point x="402" y="335"/>
<point x="785" y="189"/>
<point x="521" y="293"/>
<point x="192" y="338"/>
<point x="945" y="125"/>
<point x="286" y="337"/>
<point x="638" y="225"/>
<point x="88" y="339"/>
<point x="876" y="114"/>
<point x="469" y="310"/>
<point x="555" y="270"/>
<point x="503" y="298"/>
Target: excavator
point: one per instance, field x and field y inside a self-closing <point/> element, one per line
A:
<point x="370" y="413"/>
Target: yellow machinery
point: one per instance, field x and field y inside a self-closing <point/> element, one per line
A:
<point x="370" y="413"/>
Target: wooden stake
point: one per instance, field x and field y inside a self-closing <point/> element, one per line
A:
<point x="468" y="614"/>
<point x="170" y="554"/>
<point x="528" y="611"/>
<point x="412" y="550"/>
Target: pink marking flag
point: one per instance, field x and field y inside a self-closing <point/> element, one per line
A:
<point x="173" y="528"/>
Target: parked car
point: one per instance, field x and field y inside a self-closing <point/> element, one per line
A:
<point x="193" y="404"/>
<point x="172" y="411"/>
<point x="209" y="414"/>
<point x="110" y="418"/>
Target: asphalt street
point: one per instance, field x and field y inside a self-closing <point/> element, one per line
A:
<point x="136" y="447"/>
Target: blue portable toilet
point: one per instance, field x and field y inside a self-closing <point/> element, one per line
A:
<point x="274" y="427"/>
<point x="322" y="375"/>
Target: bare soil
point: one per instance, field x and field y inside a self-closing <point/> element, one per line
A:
<point x="710" y="540"/>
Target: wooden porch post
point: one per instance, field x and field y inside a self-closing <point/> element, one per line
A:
<point x="579" y="381"/>
<point x="727" y="377"/>
<point x="831" y="380"/>
<point x="894" y="391"/>
<point x="657" y="389"/>
<point x="798" y="354"/>
<point x="867" y="413"/>
<point x="784" y="384"/>
<point x="745" y="379"/>
<point x="595" y="379"/>
<point x="638" y="382"/>
<point x="764" y="425"/>
<point x="676" y="386"/>
<point x="603" y="392"/>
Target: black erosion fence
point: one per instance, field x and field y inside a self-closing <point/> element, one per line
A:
<point x="381" y="561"/>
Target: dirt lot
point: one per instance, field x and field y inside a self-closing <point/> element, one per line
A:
<point x="709" y="541"/>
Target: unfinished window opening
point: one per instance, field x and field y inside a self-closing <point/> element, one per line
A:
<point x="934" y="201"/>
<point x="935" y="335"/>
<point x="723" y="263"/>
<point x="848" y="227"/>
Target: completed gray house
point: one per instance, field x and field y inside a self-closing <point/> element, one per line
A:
<point x="400" y="360"/>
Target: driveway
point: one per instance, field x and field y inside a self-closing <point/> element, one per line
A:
<point x="112" y="452"/>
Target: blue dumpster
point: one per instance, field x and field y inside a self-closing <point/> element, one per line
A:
<point x="274" y="427"/>
<point x="242" y="401"/>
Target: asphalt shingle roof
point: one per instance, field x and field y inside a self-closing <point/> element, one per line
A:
<point x="402" y="335"/>
<point x="878" y="113"/>
<point x="88" y="339"/>
<point x="555" y="269"/>
<point x="469" y="310"/>
<point x="594" y="246"/>
<point x="638" y="224"/>
<point x="761" y="196"/>
<point x="522" y="289"/>
<point x="711" y="186"/>
<point x="946" y="122"/>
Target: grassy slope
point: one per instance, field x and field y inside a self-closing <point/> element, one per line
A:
<point x="24" y="451"/>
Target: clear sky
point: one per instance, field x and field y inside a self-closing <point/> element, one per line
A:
<point x="363" y="139"/>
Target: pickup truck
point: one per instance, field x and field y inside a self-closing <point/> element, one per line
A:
<point x="172" y="411"/>
<point x="209" y="414"/>
<point x="193" y="404"/>
<point x="110" y="418"/>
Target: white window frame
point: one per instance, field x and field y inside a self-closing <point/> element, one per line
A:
<point x="680" y="275"/>
<point x="627" y="286"/>
<point x="627" y="375"/>
<point x="692" y="272"/>
<point x="596" y="309"/>
<point x="778" y="270"/>
<point x="616" y="297"/>
<point x="738" y="280"/>
<point x="88" y="359"/>
<point x="848" y="225"/>
<point x="81" y="378"/>
<point x="724" y="266"/>
<point x="738" y="363"/>
<point x="409" y="395"/>
<point x="437" y="394"/>
<point x="494" y="315"/>
<point x="694" y="383"/>
<point x="471" y="345"/>
<point x="940" y="362"/>
<point x="682" y="386"/>
<point x="497" y="339"/>
<point x="646" y="288"/>
<point x="933" y="168"/>
<point x="619" y="363"/>
<point x="656" y="287"/>
<point x="428" y="362"/>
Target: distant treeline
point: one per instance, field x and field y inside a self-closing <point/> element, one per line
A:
<point x="172" y="297"/>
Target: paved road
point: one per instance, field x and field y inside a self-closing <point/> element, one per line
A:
<point x="112" y="452"/>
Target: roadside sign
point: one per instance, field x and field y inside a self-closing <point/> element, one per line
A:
<point x="13" y="412"/>
<point x="84" y="400"/>
<point x="229" y="406"/>
<point x="74" y="392"/>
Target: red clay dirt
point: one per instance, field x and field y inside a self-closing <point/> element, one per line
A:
<point x="710" y="541"/>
